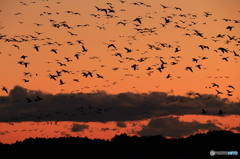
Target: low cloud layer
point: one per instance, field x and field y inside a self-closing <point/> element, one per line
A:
<point x="29" y="105"/>
<point x="171" y="126"/>
<point x="78" y="127"/>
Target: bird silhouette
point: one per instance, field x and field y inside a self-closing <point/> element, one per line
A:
<point x="52" y="77"/>
<point x="54" y="50"/>
<point x="229" y="92"/>
<point x="230" y="28"/>
<point x="26" y="64"/>
<point x="189" y="68"/>
<point x="38" y="98"/>
<point x="25" y="80"/>
<point x="168" y="76"/>
<point x="218" y="92"/>
<point x="220" y="112"/>
<point x="85" y="74"/>
<point x="23" y="57"/>
<point x="77" y="80"/>
<point x="225" y="58"/>
<point x="28" y="100"/>
<point x="235" y="54"/>
<point x="4" y="89"/>
<point x="164" y="7"/>
<point x="121" y="23"/>
<point x="36" y="47"/>
<point x="177" y="8"/>
<point x="203" y="111"/>
<point x="112" y="45"/>
<point x="61" y="82"/>
<point x="204" y="58"/>
<point x="198" y="66"/>
<point x="167" y="20"/>
<point x="230" y="86"/>
<point x="58" y="73"/>
<point x="159" y="69"/>
<point x="134" y="67"/>
<point x="177" y="50"/>
<point x="99" y="76"/>
<point x="203" y="47"/>
<point x="194" y="59"/>
<point x="215" y="85"/>
<point x="16" y="46"/>
<point x="223" y="49"/>
<point x="90" y="73"/>
<point x="127" y="49"/>
<point x="198" y="94"/>
<point x="138" y="20"/>
<point x="118" y="54"/>
<point x="84" y="49"/>
<point x="76" y="55"/>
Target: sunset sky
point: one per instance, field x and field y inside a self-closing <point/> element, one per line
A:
<point x="166" y="36"/>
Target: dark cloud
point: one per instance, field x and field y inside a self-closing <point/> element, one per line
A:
<point x="103" y="107"/>
<point x="171" y="126"/>
<point x="79" y="127"/>
<point x="236" y="128"/>
<point x="104" y="129"/>
<point x="121" y="124"/>
<point x="4" y="132"/>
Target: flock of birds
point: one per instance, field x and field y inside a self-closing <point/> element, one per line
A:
<point x="110" y="12"/>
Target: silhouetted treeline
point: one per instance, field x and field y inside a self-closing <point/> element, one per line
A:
<point x="124" y="147"/>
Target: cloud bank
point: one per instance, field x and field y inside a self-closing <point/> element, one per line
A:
<point x="30" y="105"/>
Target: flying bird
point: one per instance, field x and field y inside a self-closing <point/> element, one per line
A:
<point x="198" y="66"/>
<point x="189" y="68"/>
<point x="168" y="76"/>
<point x="25" y="80"/>
<point x="118" y="54"/>
<point x="84" y="49"/>
<point x="215" y="85"/>
<point x="85" y="74"/>
<point x="194" y="59"/>
<point x="76" y="55"/>
<point x="4" y="89"/>
<point x="203" y="111"/>
<point x="36" y="47"/>
<point x="164" y="7"/>
<point x="23" y="57"/>
<point x="52" y="77"/>
<point x="230" y="28"/>
<point x="138" y="20"/>
<point x="54" y="50"/>
<point x="112" y="45"/>
<point x="225" y="58"/>
<point x="220" y="112"/>
<point x="25" y="64"/>
<point x="177" y="50"/>
<point x="90" y="73"/>
<point x="16" y="46"/>
<point x="61" y="82"/>
<point x="218" y="92"/>
<point x="134" y="67"/>
<point x="99" y="76"/>
<point x="223" y="49"/>
<point x="38" y="98"/>
<point x="177" y="8"/>
<point x="76" y="80"/>
<point x="127" y="49"/>
<point x="230" y="86"/>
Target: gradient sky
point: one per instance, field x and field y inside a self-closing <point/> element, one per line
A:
<point x="140" y="102"/>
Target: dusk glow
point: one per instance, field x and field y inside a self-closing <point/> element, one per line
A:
<point x="100" y="68"/>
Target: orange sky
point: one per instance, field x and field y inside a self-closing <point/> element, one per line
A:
<point x="95" y="40"/>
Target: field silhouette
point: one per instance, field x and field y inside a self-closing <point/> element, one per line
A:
<point x="125" y="147"/>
